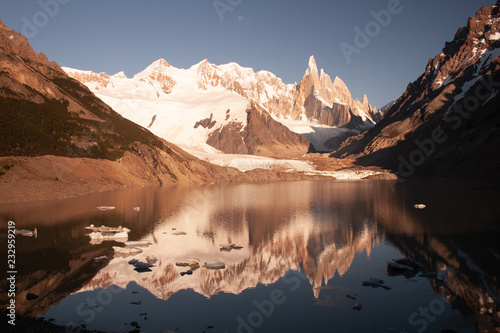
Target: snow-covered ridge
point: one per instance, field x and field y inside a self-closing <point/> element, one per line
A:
<point x="187" y="106"/>
<point x="179" y="98"/>
<point x="168" y="102"/>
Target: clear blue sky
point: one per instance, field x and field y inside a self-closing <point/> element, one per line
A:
<point x="274" y="35"/>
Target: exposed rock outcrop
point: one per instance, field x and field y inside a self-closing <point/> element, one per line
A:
<point x="261" y="135"/>
<point x="446" y="122"/>
<point x="330" y="103"/>
<point x="206" y="123"/>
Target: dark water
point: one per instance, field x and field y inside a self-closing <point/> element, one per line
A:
<point x="307" y="248"/>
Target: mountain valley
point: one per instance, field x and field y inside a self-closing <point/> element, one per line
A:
<point x="68" y="135"/>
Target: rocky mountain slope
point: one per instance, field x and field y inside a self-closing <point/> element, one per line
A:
<point x="220" y="99"/>
<point x="446" y="122"/>
<point x="261" y="136"/>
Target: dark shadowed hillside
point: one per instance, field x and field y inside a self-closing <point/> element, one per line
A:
<point x="446" y="122"/>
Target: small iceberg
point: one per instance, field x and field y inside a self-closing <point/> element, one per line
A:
<point x="226" y="247"/>
<point x="104" y="236"/>
<point x="137" y="209"/>
<point x="375" y="283"/>
<point x="107" y="229"/>
<point x="404" y="266"/>
<point x="104" y="233"/>
<point x="101" y="259"/>
<point x="126" y="251"/>
<point x="144" y="243"/>
<point x="106" y="207"/>
<point x="214" y="265"/>
<point x="192" y="263"/>
<point x="356" y="306"/>
<point x="151" y="260"/>
<point x="419" y="206"/>
<point x="27" y="233"/>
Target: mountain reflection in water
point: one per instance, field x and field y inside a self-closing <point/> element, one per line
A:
<point x="324" y="232"/>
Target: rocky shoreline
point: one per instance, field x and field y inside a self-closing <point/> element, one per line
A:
<point x="25" y="179"/>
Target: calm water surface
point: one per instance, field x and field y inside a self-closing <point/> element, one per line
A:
<point x="307" y="248"/>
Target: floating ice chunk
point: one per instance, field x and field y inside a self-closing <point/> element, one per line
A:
<point x="106" y="207"/>
<point x="101" y="259"/>
<point x="27" y="233"/>
<point x="214" y="265"/>
<point x="144" y="243"/>
<point x="126" y="251"/>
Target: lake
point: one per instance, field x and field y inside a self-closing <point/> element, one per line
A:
<point x="304" y="253"/>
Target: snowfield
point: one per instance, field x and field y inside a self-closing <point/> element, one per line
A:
<point x="251" y="162"/>
<point x="316" y="133"/>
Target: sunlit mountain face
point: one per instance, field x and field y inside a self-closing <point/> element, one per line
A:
<point x="309" y="243"/>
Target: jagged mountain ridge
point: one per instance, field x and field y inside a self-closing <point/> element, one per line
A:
<point x="223" y="94"/>
<point x="446" y="122"/>
<point x="330" y="102"/>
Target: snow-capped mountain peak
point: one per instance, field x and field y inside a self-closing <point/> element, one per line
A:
<point x="219" y="96"/>
<point x="120" y="75"/>
<point x="160" y="74"/>
<point x="157" y="65"/>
